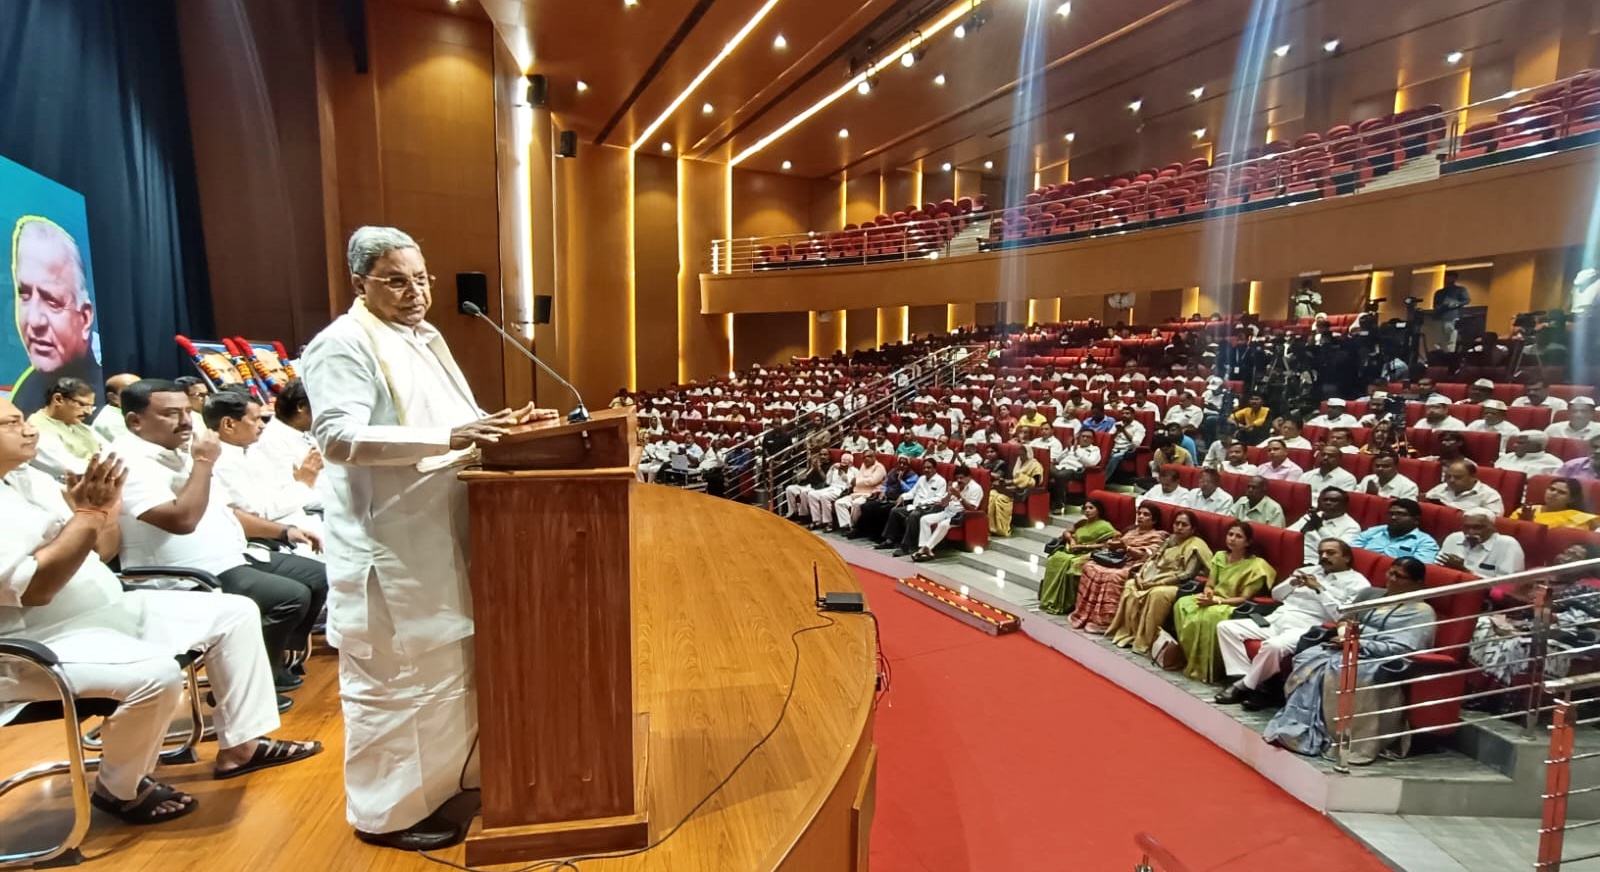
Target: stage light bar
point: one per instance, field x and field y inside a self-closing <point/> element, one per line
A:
<point x="727" y="49"/>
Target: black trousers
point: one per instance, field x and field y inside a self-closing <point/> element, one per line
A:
<point x="874" y="514"/>
<point x="1058" y="485"/>
<point x="290" y="590"/>
<point x="901" y="528"/>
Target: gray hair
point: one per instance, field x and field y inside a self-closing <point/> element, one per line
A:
<point x="35" y="229"/>
<point x="368" y="244"/>
<point x="1535" y="440"/>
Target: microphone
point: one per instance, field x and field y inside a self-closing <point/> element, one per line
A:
<point x="576" y="416"/>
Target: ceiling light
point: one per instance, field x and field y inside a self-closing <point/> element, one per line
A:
<point x="844" y="133"/>
<point x="1331" y="46"/>
<point x="1200" y="133"/>
<point x="1199" y="92"/>
<point x="779" y="43"/>
<point x="582" y="86"/>
<point x="1453" y="57"/>
<point x="908" y="60"/>
<point x="939" y="79"/>
<point x="1070" y="137"/>
<point x="1281" y="51"/>
<point x="961" y="31"/>
<point x="1135" y="105"/>
<point x="1064" y="10"/>
<point x="788" y="165"/>
<point x="988" y="164"/>
<point x="666" y="146"/>
<point x="700" y="77"/>
<point x="946" y="167"/>
<point x="705" y="109"/>
<point x="864" y="88"/>
<point x="630" y="3"/>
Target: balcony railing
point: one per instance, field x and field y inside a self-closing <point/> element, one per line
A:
<point x="1563" y="114"/>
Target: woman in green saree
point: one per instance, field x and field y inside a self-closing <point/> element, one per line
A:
<point x="1236" y="575"/>
<point x="1059" y="590"/>
<point x="1148" y="596"/>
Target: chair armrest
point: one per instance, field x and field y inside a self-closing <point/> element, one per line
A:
<point x="1435" y="660"/>
<point x="206" y="580"/>
<point x="27" y="649"/>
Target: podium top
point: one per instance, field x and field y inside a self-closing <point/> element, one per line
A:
<point x="608" y="440"/>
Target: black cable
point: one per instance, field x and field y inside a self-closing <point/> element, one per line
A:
<point x="571" y="863"/>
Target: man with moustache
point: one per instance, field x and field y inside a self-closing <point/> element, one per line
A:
<point x="55" y="316"/>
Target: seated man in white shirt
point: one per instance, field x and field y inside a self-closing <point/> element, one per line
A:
<point x="1436" y="416"/>
<point x="971" y="455"/>
<point x="941" y="450"/>
<point x="1477" y="548"/>
<point x="1328" y="472"/>
<point x="286" y="442"/>
<point x="657" y="453"/>
<point x="1494" y="421"/>
<point x="1309" y="597"/>
<point x="1462" y="490"/>
<point x="277" y="495"/>
<point x="856" y="443"/>
<point x="1070" y="465"/>
<point x="1165" y="490"/>
<point x="1336" y="416"/>
<point x="1209" y="496"/>
<point x="819" y="501"/>
<point x="1385" y="479"/>
<point x="174" y="513"/>
<point x="108" y="421"/>
<point x="1289" y="432"/>
<point x="1342" y="439"/>
<point x="965" y="495"/>
<point x="1424" y="391"/>
<point x="1539" y="395"/>
<point x="1580" y="423"/>
<point x="1329" y="520"/>
<point x="65" y="442"/>
<point x="1527" y="455"/>
<point x="928" y="428"/>
<point x="1045" y="438"/>
<point x="121" y="645"/>
<point x="1187" y="413"/>
<point x="1235" y="461"/>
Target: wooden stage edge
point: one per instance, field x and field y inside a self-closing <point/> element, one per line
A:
<point x="719" y="590"/>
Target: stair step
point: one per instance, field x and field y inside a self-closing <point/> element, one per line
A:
<point x="1018" y="572"/>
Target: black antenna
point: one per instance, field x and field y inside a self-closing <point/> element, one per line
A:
<point x="816" y="583"/>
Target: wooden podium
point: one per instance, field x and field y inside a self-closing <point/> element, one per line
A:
<point x="552" y="565"/>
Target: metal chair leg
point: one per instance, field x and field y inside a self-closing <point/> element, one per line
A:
<point x="75" y="766"/>
<point x="189" y="740"/>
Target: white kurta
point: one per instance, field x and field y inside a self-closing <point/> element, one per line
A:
<point x="395" y="519"/>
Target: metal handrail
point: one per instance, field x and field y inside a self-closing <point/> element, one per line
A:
<point x="726" y="253"/>
<point x="1428" y="593"/>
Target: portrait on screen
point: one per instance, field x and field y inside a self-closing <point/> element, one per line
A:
<point x="52" y="288"/>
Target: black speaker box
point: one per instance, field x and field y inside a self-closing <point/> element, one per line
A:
<point x="472" y="287"/>
<point x="538" y="91"/>
<point x="567" y="146"/>
<point x="543" y="306"/>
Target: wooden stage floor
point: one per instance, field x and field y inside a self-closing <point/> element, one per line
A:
<point x="718" y="590"/>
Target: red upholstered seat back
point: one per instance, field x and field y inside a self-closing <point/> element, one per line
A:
<point x="1369" y="510"/>
<point x="1119" y="508"/>
<point x="1507" y="482"/>
<point x="1426" y="473"/>
<point x="1284" y="549"/>
<point x="1483" y="448"/>
<point x="1188" y="476"/>
<point x="1440" y="521"/>
<point x="1214" y="529"/>
<point x="1294" y="497"/>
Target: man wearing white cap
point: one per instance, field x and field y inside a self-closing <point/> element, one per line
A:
<point x="1494" y="421"/>
<point x="1336" y="416"/>
<point x="1480" y="392"/>
<point x="1462" y="490"/>
<point x="1528" y="456"/>
<point x="1436" y="416"/>
<point x="1580" y="423"/>
<point x="1478" y="549"/>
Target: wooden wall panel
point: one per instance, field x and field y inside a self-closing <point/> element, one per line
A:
<point x="769" y="204"/>
<point x="595" y="288"/>
<point x="655" y="257"/>
<point x="899" y="191"/>
<point x="937" y="185"/>
<point x="702" y="339"/>
<point x="861" y="197"/>
<point x="770" y="337"/>
<point x="928" y="319"/>
<point x="860" y="329"/>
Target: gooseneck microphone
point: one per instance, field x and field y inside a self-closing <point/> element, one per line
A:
<point x="576" y="416"/>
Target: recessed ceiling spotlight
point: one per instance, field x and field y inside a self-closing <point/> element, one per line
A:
<point x="1453" y="58"/>
<point x="945" y="166"/>
<point x="582" y="86"/>
<point x="844" y="133"/>
<point x="939" y="79"/>
<point x="788" y="165"/>
<point x="908" y="60"/>
<point x="960" y="31"/>
<point x="1331" y="46"/>
<point x="1135" y="104"/>
<point x="1200" y="133"/>
<point x="1281" y="51"/>
<point x="666" y="146"/>
<point x="706" y="109"/>
<point x="988" y="164"/>
<point x="1070" y="137"/>
<point x="779" y="43"/>
<point x="630" y="3"/>
<point x="1199" y="92"/>
<point x="1064" y="10"/>
<point x="864" y="88"/>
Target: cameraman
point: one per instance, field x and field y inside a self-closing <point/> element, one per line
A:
<point x="1448" y="301"/>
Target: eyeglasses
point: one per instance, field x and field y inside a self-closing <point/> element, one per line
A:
<point x="400" y="284"/>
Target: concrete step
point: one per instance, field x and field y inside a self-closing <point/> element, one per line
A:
<point x="1017" y="571"/>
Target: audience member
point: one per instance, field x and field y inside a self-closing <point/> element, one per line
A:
<point x="1436" y="416"/>
<point x="1235" y="576"/>
<point x="1385" y="479"/>
<point x="1058" y="592"/>
<point x="1342" y="439"/>
<point x="1528" y="456"/>
<point x="1100" y="581"/>
<point x="1025" y="474"/>
<point x="1580" y="423"/>
<point x="868" y="483"/>
<point x="286" y="445"/>
<point x="873" y="514"/>
<point x="1494" y="421"/>
<point x="1289" y="431"/>
<point x="1278" y="466"/>
<point x="965" y="496"/>
<point x="1235" y="460"/>
<point x="1166" y="490"/>
<point x="1462" y="490"/>
<point x="1477" y="548"/>
<point x="1250" y="421"/>
<point x="1538" y="396"/>
<point x="1071" y="466"/>
<point x="820" y="501"/>
<point x="1126" y="438"/>
<point x="277" y="495"/>
<point x="1148" y="595"/>
<point x="1256" y="507"/>
<point x="1209" y="496"/>
<point x="1336" y="416"/>
<point x="66" y="442"/>
<point x="1402" y="536"/>
<point x="927" y="495"/>
<point x="1329" y="519"/>
<point x="1328" y="472"/>
<point x="1386" y="438"/>
<point x="108" y="421"/>
<point x="1563" y="507"/>
<point x="1583" y="468"/>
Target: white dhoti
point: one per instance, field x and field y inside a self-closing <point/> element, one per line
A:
<point x="819" y="500"/>
<point x="794" y="502"/>
<point x="1277" y="647"/>
<point x="847" y="509"/>
<point x="151" y="688"/>
<point x="932" y="528"/>
<point x="648" y="471"/>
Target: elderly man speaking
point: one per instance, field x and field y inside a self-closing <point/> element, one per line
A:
<point x="395" y="419"/>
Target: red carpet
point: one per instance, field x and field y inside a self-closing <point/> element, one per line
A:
<point x="1000" y="755"/>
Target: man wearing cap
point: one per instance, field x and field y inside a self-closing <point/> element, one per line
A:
<point x="1480" y="391"/>
<point x="1336" y="416"/>
<point x="1539" y="395"/>
<point x="1385" y="479"/>
<point x="1478" y="549"/>
<point x="1527" y="455"/>
<point x="1494" y="421"/>
<point x="1032" y="418"/>
<point x="1583" y="468"/>
<point x="1462" y="490"/>
<point x="1436" y="416"/>
<point x="1580" y="423"/>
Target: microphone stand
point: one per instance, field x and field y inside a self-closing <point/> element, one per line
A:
<point x="577" y="415"/>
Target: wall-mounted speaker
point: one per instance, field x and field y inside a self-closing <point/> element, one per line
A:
<point x="472" y="287"/>
<point x="567" y="144"/>
<point x="538" y="91"/>
<point x="543" y="306"/>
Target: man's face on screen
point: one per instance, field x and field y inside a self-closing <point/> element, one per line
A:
<point x="53" y="323"/>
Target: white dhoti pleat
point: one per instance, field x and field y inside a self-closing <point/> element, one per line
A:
<point x="931" y="529"/>
<point x="1277" y="648"/>
<point x="819" y="500"/>
<point x="794" y="502"/>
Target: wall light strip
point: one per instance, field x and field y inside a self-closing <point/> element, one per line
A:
<point x="958" y="12"/>
<point x="711" y="67"/>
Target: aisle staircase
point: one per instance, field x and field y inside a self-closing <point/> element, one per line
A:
<point x="966" y="242"/>
<point x="1418" y="169"/>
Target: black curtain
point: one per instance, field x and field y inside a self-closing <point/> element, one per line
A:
<point x="94" y="99"/>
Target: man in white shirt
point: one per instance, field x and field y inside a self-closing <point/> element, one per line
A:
<point x="1423" y="391"/>
<point x="1336" y="416"/>
<point x="176" y="513"/>
<point x="819" y="501"/>
<point x="1311" y="596"/>
<point x="1462" y="490"/>
<point x="928" y="428"/>
<point x="1379" y="408"/>
<point x="1580" y="423"/>
<point x="927" y="495"/>
<point x="114" y="644"/>
<point x="1480" y="392"/>
<point x="1539" y="395"/>
<point x="941" y="451"/>
<point x="856" y="443"/>
<point x="1235" y="460"/>
<point x="1256" y="507"/>
<point x="286" y="442"/>
<point x="1166" y="490"/>
<point x="1209" y="496"/>
<point x="1126" y="437"/>
<point x="1477" y="548"/>
<point x="1070" y="465"/>
<point x="1342" y="439"/>
<point x="1385" y="479"/>
<point x="1046" y="438"/>
<point x="65" y="442"/>
<point x="280" y="496"/>
<point x="108" y="421"/>
<point x="1329" y="520"/>
<point x="971" y="456"/>
<point x="1289" y="432"/>
<point x="1527" y="455"/>
<point x="965" y="495"/>
<point x="1278" y="466"/>
<point x="1328" y="472"/>
<point x="1494" y="421"/>
<point x="1436" y="416"/>
<point x="1186" y="413"/>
